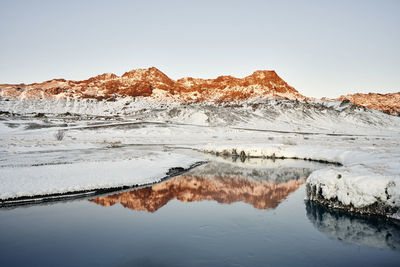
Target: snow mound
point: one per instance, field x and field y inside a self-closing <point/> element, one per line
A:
<point x="356" y="188"/>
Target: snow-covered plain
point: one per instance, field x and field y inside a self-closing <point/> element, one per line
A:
<point x="106" y="138"/>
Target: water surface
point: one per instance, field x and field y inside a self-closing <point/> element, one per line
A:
<point x="220" y="214"/>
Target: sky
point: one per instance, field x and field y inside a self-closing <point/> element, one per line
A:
<point x="322" y="48"/>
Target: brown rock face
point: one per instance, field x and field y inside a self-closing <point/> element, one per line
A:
<point x="261" y="195"/>
<point x="153" y="83"/>
<point x="388" y="103"/>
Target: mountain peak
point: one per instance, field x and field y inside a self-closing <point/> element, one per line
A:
<point x="264" y="74"/>
<point x="141" y="74"/>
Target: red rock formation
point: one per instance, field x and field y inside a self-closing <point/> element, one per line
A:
<point x="388" y="103"/>
<point x="261" y="195"/>
<point x="153" y="83"/>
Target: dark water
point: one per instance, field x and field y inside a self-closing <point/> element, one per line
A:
<point x="217" y="215"/>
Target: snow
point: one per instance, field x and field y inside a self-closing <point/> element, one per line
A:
<point x="272" y="114"/>
<point x="359" y="186"/>
<point x="83" y="176"/>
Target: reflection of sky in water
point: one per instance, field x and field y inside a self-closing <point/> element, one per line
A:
<point x="201" y="233"/>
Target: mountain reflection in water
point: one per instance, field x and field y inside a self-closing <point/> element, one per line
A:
<point x="263" y="188"/>
<point x="354" y="229"/>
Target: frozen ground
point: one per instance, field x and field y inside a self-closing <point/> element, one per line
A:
<point x="104" y="141"/>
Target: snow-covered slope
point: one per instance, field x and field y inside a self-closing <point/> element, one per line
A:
<point x="265" y="114"/>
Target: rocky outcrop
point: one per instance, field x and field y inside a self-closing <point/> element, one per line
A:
<point x="388" y="103"/>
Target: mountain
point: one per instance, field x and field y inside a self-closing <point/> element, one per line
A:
<point x="153" y="83"/>
<point x="388" y="103"/>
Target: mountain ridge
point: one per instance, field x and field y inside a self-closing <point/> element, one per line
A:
<point x="153" y="83"/>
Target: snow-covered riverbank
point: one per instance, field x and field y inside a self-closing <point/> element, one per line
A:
<point x="31" y="181"/>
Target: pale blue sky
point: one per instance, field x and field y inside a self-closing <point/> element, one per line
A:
<point x="322" y="48"/>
